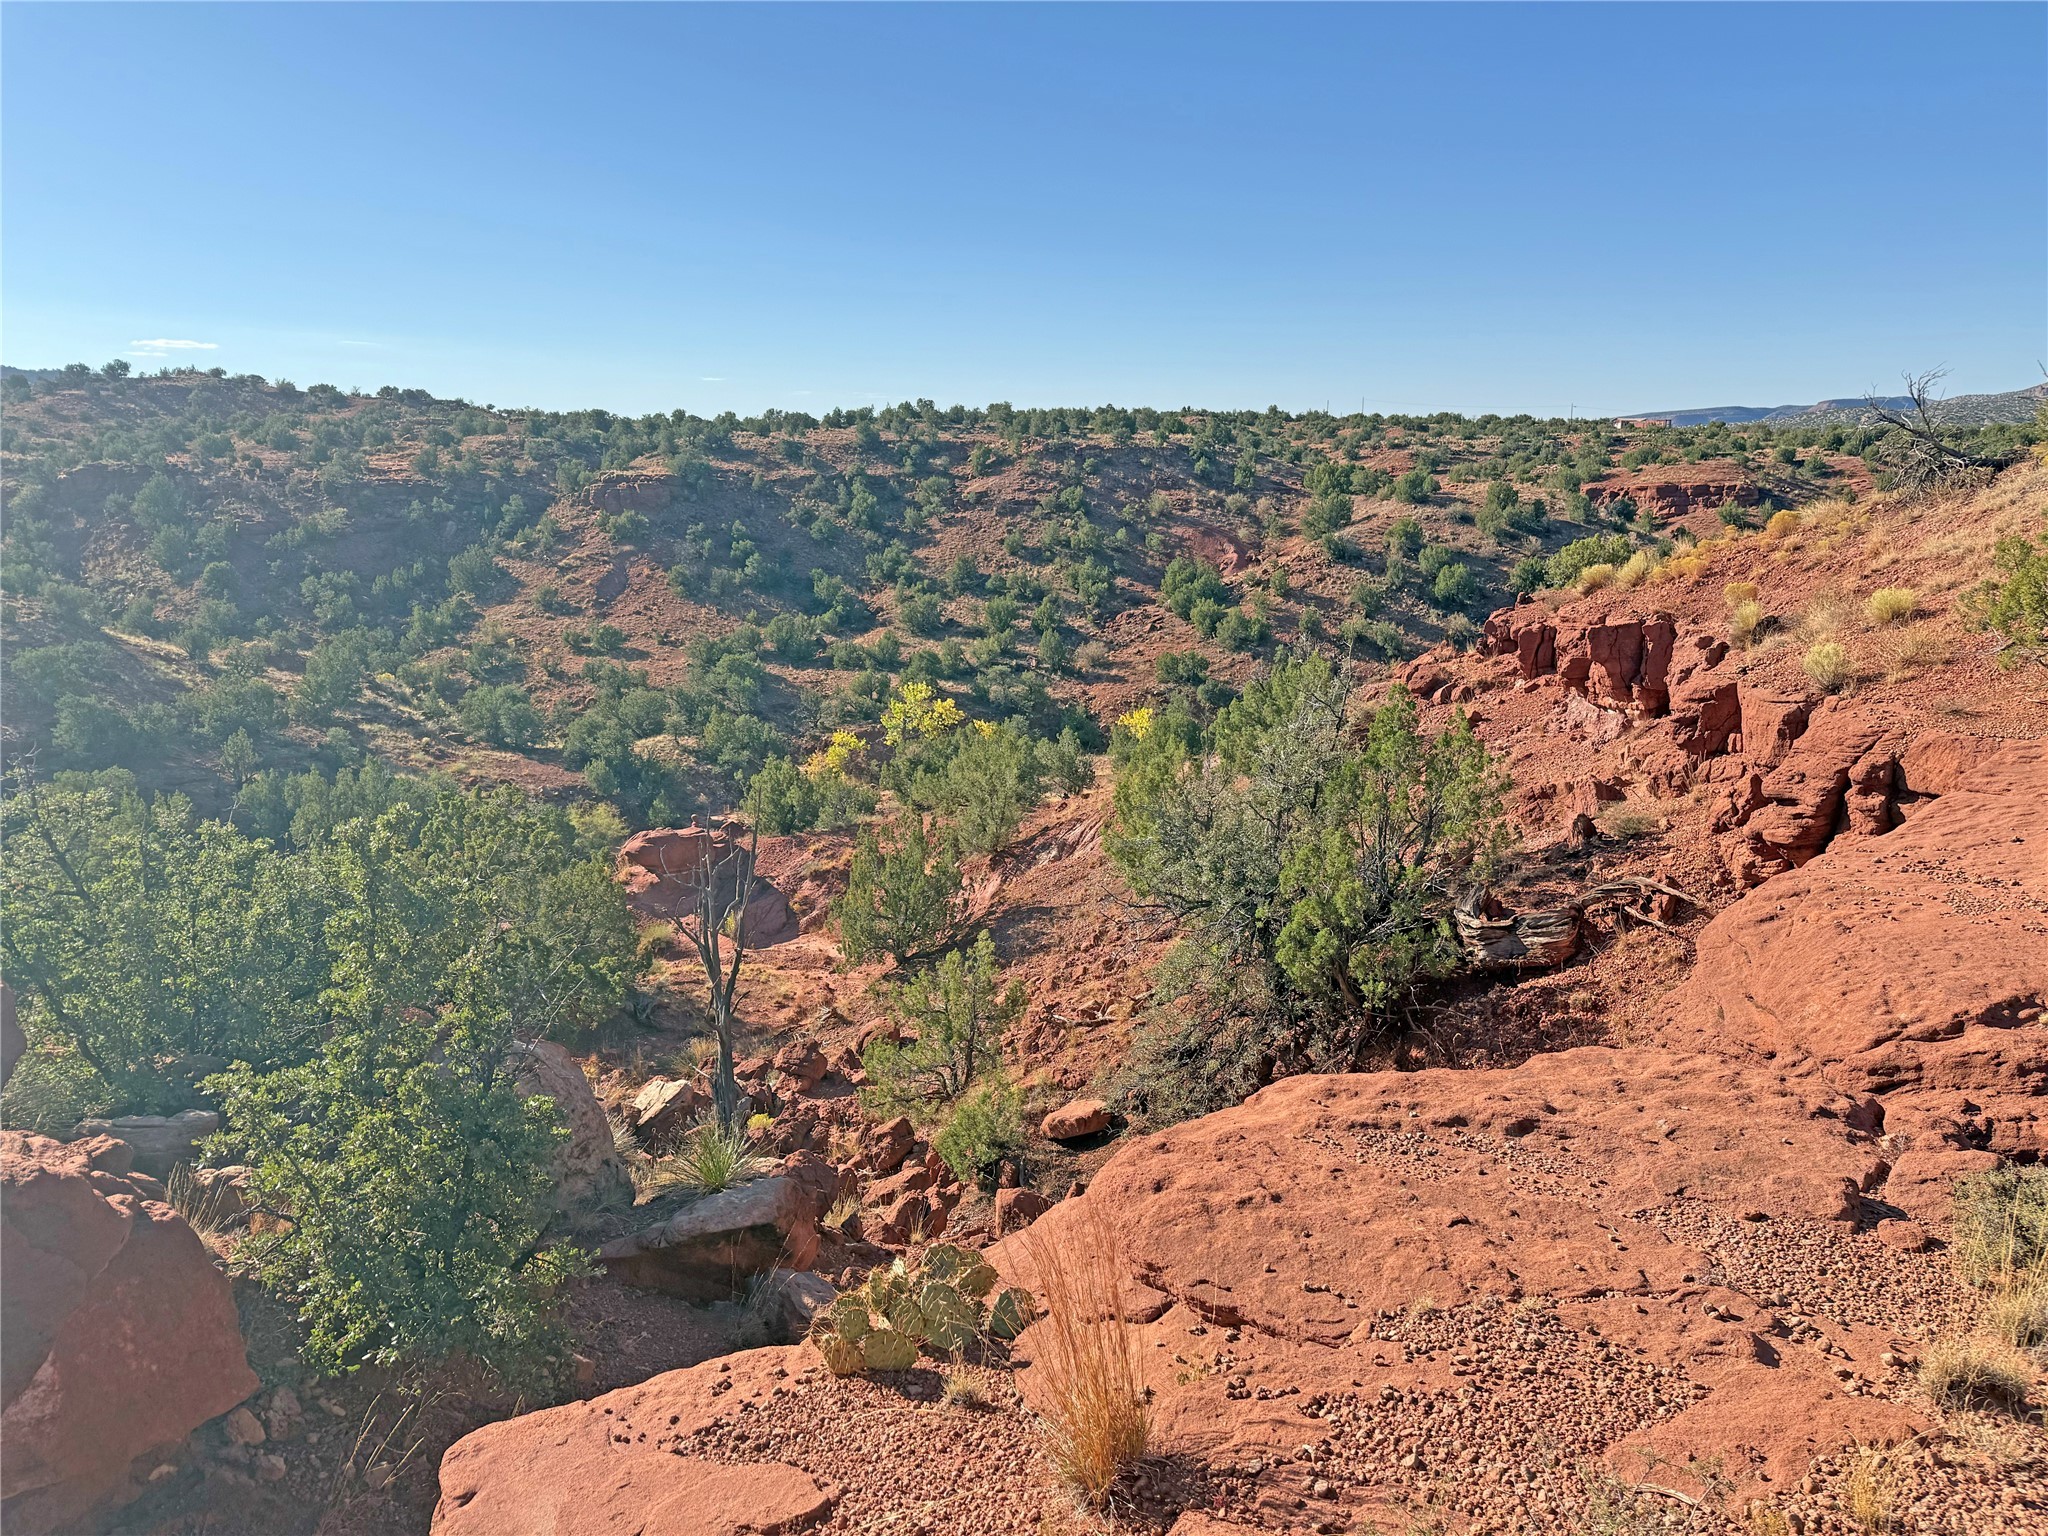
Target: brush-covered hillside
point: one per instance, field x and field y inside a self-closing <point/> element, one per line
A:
<point x="1225" y="972"/>
<point x="216" y="583"/>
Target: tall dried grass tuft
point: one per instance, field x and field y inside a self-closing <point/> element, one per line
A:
<point x="1085" y="1356"/>
<point x="1870" y="1493"/>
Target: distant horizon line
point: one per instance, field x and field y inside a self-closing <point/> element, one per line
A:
<point x="1844" y="401"/>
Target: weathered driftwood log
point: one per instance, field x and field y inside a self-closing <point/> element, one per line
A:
<point x="1490" y="934"/>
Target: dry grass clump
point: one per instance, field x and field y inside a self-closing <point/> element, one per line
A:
<point x="1637" y="569"/>
<point x="209" y="1210"/>
<point x="1747" y="620"/>
<point x="1097" y="1420"/>
<point x="962" y="1388"/>
<point x="1913" y="649"/>
<point x="1595" y="578"/>
<point x="1630" y="824"/>
<point x="1782" y="525"/>
<point x="1889" y="605"/>
<point x="1870" y="1492"/>
<point x="2019" y="1315"/>
<point x="1999" y="1227"/>
<point x="1975" y="1370"/>
<point x="1828" y="665"/>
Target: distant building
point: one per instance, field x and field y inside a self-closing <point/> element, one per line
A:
<point x="1642" y="421"/>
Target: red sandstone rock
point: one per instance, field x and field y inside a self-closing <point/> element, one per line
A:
<point x="1771" y="722"/>
<point x="800" y="1065"/>
<point x="120" y="1335"/>
<point x="1621" y="1132"/>
<point x="1912" y="967"/>
<point x="1794" y="811"/>
<point x="664" y="869"/>
<point x="709" y="1249"/>
<point x="1300" y="1222"/>
<point x="1070" y="1122"/>
<point x="588" y="1173"/>
<point x="1906" y="1236"/>
<point x="1016" y="1209"/>
<point x="888" y="1144"/>
<point x="1923" y="1182"/>
<point x="663" y="1108"/>
<point x="1938" y="762"/>
<point x="600" y="1468"/>
<point x="1706" y="711"/>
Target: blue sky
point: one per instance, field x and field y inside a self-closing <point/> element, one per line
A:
<point x="646" y="207"/>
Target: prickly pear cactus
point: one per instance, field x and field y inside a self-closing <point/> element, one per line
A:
<point x="843" y="1357"/>
<point x="951" y="1320"/>
<point x="908" y="1318"/>
<point x="938" y="1304"/>
<point x="887" y="1350"/>
<point x="1013" y="1312"/>
<point x="977" y="1280"/>
<point x="848" y="1317"/>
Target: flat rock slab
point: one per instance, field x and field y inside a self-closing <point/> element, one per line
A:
<point x="577" y="1470"/>
<point x="1911" y="968"/>
<point x="1443" y="1185"/>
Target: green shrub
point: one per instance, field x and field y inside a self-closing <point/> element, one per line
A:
<point x="1568" y="564"/>
<point x="902" y="894"/>
<point x="2015" y="603"/>
<point x="500" y="714"/>
<point x="419" y="1183"/>
<point x="1311" y="876"/>
<point x="954" y="1014"/>
<point x="985" y="1126"/>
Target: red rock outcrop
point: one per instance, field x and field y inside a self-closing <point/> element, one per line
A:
<point x="120" y="1335"/>
<point x="1322" y="1225"/>
<point x="604" y="1467"/>
<point x="1911" y="967"/>
<point x="665" y="869"/>
<point x="1620" y="663"/>
<point x="1788" y="815"/>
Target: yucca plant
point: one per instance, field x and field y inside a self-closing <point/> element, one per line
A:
<point x="713" y="1156"/>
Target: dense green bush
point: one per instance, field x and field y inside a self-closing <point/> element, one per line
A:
<point x="1312" y="877"/>
<point x="139" y="935"/>
<point x="902" y="894"/>
<point x="419" y="1184"/>
<point x="1563" y="568"/>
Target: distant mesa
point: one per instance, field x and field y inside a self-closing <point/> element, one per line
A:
<point x="1962" y="410"/>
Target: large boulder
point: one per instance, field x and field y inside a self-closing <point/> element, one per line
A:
<point x="1393" y="1268"/>
<point x="120" y="1334"/>
<point x="666" y="870"/>
<point x="1910" y="969"/>
<point x="157" y="1143"/>
<point x="588" y="1172"/>
<point x="712" y="1247"/>
<point x="1075" y="1120"/>
<point x="619" y="1464"/>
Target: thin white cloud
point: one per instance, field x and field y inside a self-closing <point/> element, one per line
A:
<point x="170" y="344"/>
<point x="710" y="378"/>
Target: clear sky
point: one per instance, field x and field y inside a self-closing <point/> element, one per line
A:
<point x="645" y="207"/>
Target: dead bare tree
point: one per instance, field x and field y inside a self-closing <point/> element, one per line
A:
<point x="1917" y="455"/>
<point x="719" y="882"/>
